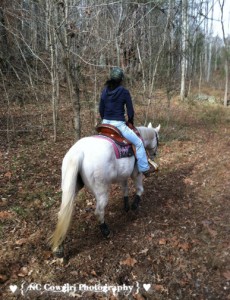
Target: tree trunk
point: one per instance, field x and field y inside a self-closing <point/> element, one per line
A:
<point x="184" y="48"/>
<point x="71" y="68"/>
<point x="210" y="45"/>
<point x="225" y="53"/>
<point x="52" y="18"/>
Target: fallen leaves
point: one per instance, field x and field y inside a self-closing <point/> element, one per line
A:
<point x="158" y="287"/>
<point x="184" y="246"/>
<point x="226" y="274"/>
<point x="57" y="261"/>
<point x="162" y="241"/>
<point x="165" y="249"/>
<point x="23" y="272"/>
<point x="188" y="181"/>
<point x="93" y="273"/>
<point x="175" y="243"/>
<point x="47" y="254"/>
<point x="129" y="261"/>
<point x="8" y="175"/>
<point x="138" y="297"/>
<point x="21" y="241"/>
<point x="6" y="215"/>
<point x="3" y="278"/>
<point x="144" y="251"/>
<point x="211" y="231"/>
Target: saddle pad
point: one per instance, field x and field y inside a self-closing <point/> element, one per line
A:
<point x="121" y="151"/>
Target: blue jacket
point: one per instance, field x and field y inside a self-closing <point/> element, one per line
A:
<point x="113" y="103"/>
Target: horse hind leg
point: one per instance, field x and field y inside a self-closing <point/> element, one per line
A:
<point x="102" y="200"/>
<point x="59" y="251"/>
<point x="136" y="202"/>
<point x="125" y="190"/>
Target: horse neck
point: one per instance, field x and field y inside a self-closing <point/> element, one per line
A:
<point x="147" y="134"/>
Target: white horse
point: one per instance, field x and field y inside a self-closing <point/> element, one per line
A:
<point x="92" y="163"/>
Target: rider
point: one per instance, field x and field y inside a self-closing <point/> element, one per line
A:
<point x="114" y="99"/>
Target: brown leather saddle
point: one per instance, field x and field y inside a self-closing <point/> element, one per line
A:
<point x="115" y="134"/>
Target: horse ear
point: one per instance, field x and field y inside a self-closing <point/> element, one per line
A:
<point x="158" y="128"/>
<point x="150" y="125"/>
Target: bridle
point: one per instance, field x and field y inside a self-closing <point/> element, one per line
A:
<point x="152" y="152"/>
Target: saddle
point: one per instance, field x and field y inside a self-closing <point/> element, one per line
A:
<point x="122" y="146"/>
<point x="115" y="134"/>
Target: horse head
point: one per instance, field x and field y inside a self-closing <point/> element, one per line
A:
<point x="150" y="136"/>
<point x="152" y="144"/>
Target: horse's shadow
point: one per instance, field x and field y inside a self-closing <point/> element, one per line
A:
<point x="162" y="192"/>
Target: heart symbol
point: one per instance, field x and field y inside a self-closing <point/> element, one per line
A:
<point x="146" y="286"/>
<point x="13" y="288"/>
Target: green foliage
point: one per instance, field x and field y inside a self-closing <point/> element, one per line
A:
<point x="50" y="202"/>
<point x="20" y="211"/>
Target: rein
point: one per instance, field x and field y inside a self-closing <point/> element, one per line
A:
<point x="151" y="157"/>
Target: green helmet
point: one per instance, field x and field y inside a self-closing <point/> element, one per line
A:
<point x="117" y="74"/>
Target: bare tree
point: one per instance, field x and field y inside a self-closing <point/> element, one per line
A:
<point x="184" y="37"/>
<point x="226" y="46"/>
<point x="74" y="43"/>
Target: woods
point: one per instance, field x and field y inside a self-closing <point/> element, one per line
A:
<point x="72" y="44"/>
<point x="55" y="56"/>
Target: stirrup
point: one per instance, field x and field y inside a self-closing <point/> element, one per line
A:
<point x="152" y="163"/>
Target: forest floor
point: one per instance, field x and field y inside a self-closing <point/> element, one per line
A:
<point x="176" y="246"/>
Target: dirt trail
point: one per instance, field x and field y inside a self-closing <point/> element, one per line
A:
<point x="175" y="247"/>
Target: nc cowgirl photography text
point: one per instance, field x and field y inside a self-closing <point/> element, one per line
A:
<point x="77" y="289"/>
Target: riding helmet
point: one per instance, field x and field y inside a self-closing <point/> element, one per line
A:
<point x="117" y="74"/>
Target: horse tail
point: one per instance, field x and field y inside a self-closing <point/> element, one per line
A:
<point x="70" y="170"/>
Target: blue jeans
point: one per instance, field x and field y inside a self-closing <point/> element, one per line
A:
<point x="142" y="162"/>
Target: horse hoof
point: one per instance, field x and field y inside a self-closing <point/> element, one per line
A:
<point x="136" y="202"/>
<point x="126" y="208"/>
<point x="105" y="230"/>
<point x="59" y="252"/>
<point x="126" y="204"/>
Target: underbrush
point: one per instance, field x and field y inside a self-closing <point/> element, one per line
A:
<point x="182" y="117"/>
